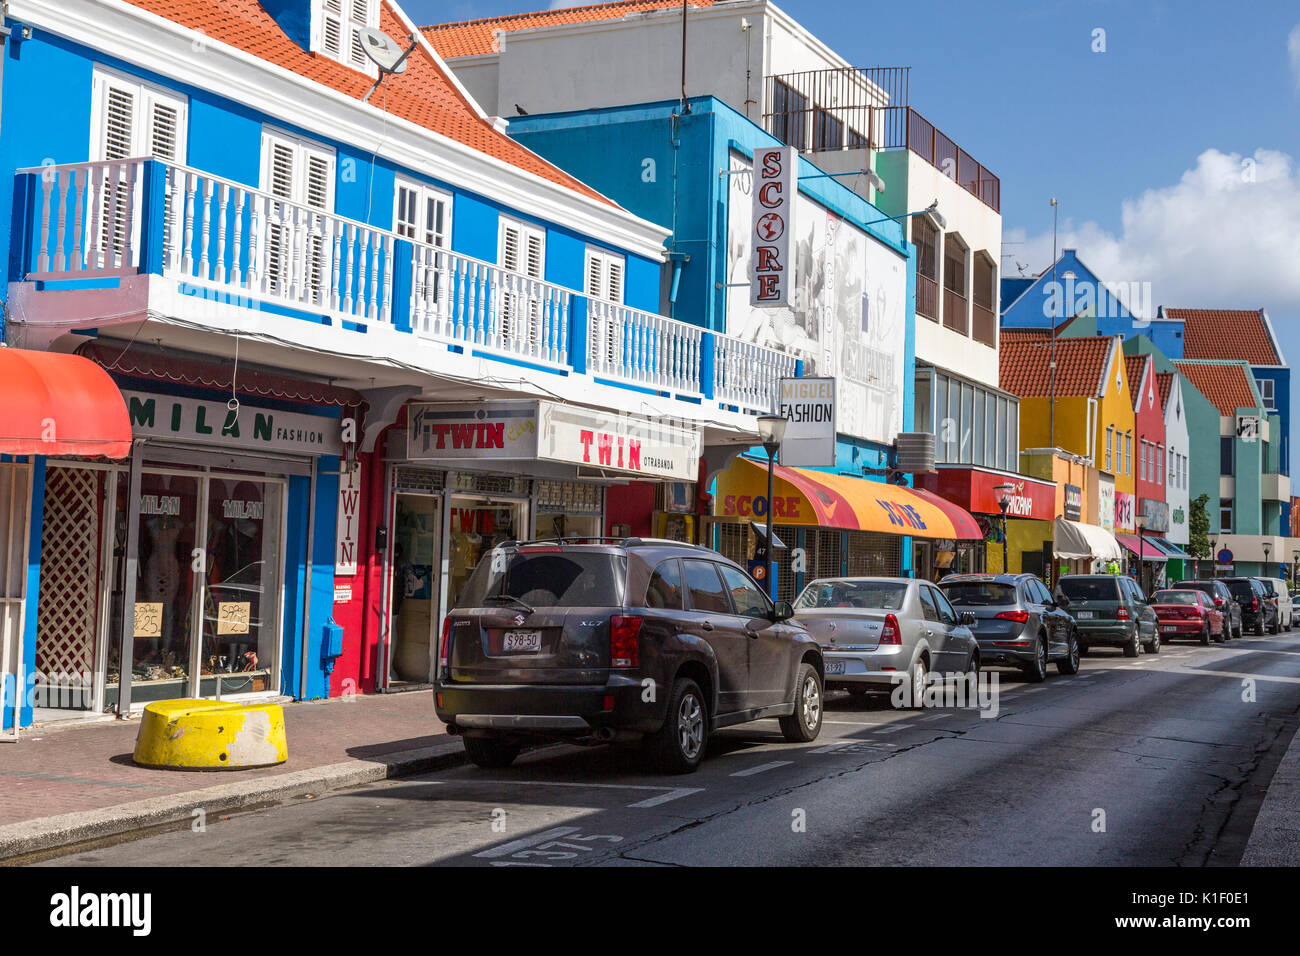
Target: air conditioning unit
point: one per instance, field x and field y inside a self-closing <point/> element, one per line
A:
<point x="915" y="452"/>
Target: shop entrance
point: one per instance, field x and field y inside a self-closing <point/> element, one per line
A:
<point x="207" y="615"/>
<point x="416" y="585"/>
<point x="476" y="526"/>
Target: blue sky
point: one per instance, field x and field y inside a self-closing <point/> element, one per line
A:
<point x="1170" y="152"/>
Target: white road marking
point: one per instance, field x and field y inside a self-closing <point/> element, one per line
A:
<point x="672" y="793"/>
<point x="505" y="849"/>
<point x="936" y="717"/>
<point x="665" y="797"/>
<point x="890" y="728"/>
<point x="1034" y="690"/>
<point x="763" y="767"/>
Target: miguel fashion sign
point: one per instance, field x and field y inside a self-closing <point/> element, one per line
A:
<point x="773" y="217"/>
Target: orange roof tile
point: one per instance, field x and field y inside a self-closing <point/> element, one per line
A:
<point x="1133" y="367"/>
<point x="424" y="94"/>
<point x="1226" y="384"/>
<point x="1080" y="364"/>
<point x="1229" y="334"/>
<point x="477" y="37"/>
<point x="1165" y="384"/>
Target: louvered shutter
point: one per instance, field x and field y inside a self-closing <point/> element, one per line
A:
<point x="605" y="281"/>
<point x="333" y="28"/>
<point x="509" y="259"/>
<point x="278" y="180"/>
<point x="166" y="136"/>
<point x="120" y="106"/>
<point x="360" y="20"/>
<point x="317" y="195"/>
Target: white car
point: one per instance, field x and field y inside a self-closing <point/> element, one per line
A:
<point x="873" y="631"/>
<point x="1279" y="591"/>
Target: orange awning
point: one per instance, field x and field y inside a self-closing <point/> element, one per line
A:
<point x="824" y="499"/>
<point x="60" y="404"/>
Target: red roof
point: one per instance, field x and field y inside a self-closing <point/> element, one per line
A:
<point x="477" y="37"/>
<point x="1133" y="366"/>
<point x="424" y="94"/>
<point x="1229" y="334"/>
<point x="1226" y="384"/>
<point x="1080" y="365"/>
<point x="1165" y="384"/>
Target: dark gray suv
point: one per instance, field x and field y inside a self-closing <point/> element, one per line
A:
<point x="622" y="641"/>
<point x="1017" y="621"/>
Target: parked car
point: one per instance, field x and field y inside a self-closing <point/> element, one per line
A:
<point x="1188" y="613"/>
<point x="1281" y="597"/>
<point x="560" y="640"/>
<point x="873" y="629"/>
<point x="1017" y="621"/>
<point x="1223" y="600"/>
<point x="1258" y="613"/>
<point x="1111" y="610"/>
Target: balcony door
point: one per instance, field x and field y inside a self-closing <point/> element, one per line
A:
<point x="522" y="252"/>
<point x="297" y="249"/>
<point x="129" y="119"/>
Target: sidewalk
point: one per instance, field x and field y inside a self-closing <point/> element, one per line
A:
<point x="71" y="785"/>
<point x="1275" y="840"/>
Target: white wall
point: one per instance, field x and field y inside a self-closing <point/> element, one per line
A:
<point x="1178" y="443"/>
<point x="981" y="229"/>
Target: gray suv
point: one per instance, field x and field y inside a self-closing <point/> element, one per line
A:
<point x="1017" y="621"/>
<point x="619" y="641"/>
<point x="1110" y="609"/>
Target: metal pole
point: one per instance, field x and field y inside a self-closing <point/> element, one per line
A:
<point x="129" y="570"/>
<point x="771" y="554"/>
<point x="1005" y="568"/>
<point x="1052" y="361"/>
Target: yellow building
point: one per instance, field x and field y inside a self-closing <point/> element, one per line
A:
<point x="1093" y="417"/>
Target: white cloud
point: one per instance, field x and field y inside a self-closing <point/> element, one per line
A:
<point x="1293" y="53"/>
<point x="1225" y="235"/>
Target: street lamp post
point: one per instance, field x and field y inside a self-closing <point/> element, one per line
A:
<point x="771" y="431"/>
<point x="1004" y="500"/>
<point x="1267" y="548"/>
<point x="1141" y="522"/>
<point x="1214" y="558"/>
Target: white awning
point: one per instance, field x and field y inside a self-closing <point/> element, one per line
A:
<point x="1075" y="540"/>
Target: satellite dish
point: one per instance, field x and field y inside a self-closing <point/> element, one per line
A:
<point x="379" y="46"/>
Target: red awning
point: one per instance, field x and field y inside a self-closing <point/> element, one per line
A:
<point x="1149" y="551"/>
<point x="59" y="404"/>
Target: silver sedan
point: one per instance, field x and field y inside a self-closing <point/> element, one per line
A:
<point x="873" y="629"/>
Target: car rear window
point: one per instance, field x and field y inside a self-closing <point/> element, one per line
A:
<point x="1268" y="587"/>
<point x="1090" y="589"/>
<point x="560" y="579"/>
<point x="1174" y="597"/>
<point x="979" y="593"/>
<point x="1205" y="586"/>
<point x="867" y="595"/>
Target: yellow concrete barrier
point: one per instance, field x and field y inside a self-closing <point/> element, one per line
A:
<point x="211" y="735"/>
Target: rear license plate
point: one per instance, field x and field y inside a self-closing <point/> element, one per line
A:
<point x="522" y="641"/>
<point x="835" y="667"/>
<point x="1169" y="628"/>
<point x="1084" y="615"/>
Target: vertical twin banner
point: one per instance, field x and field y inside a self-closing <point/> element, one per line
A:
<point x="775" y="184"/>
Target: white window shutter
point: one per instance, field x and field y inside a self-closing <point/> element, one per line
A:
<point x="117" y="137"/>
<point x="510" y="247"/>
<point x="615" y="288"/>
<point x="318" y="181"/>
<point x="332" y="28"/>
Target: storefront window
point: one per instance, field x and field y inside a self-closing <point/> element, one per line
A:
<point x="240" y="606"/>
<point x="476" y="528"/>
<point x="943" y="427"/>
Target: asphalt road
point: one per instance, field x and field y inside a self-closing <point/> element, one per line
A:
<point x="1157" y="760"/>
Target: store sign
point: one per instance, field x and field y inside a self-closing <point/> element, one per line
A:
<point x="1073" y="502"/>
<point x="1106" y="503"/>
<point x="1157" y="515"/>
<point x="978" y="491"/>
<point x="808" y="405"/>
<point x="772" y="274"/>
<point x="491" y="430"/>
<point x="1124" y="511"/>
<point x="1248" y="427"/>
<point x="349" y="512"/>
<point x="248" y="427"/>
<point x="612" y="441"/>
<point x="1180" y="517"/>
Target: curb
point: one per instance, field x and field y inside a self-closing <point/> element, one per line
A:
<point x="45" y="834"/>
<point x="1275" y="838"/>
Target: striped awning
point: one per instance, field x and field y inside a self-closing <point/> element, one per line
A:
<point x="804" y="496"/>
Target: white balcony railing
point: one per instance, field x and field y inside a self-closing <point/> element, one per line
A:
<point x="249" y="247"/>
<point x="644" y="349"/>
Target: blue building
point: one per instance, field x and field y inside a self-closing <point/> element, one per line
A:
<point x="317" y="295"/>
<point x="688" y="167"/>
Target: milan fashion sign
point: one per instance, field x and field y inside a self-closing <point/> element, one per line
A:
<point x="775" y="172"/>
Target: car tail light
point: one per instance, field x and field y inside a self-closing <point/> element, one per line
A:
<point x="444" y="645"/>
<point x="623" y="647"/>
<point x="1218" y="602"/>
<point x="1254" y="604"/>
<point x="890" y="634"/>
<point x="1018" y="616"/>
<point x="1121" y="614"/>
<point x="550" y="549"/>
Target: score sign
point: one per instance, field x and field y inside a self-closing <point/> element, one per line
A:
<point x="772" y="274"/>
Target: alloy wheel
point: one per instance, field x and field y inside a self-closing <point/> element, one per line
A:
<point x="811" y="702"/>
<point x="690" y="726"/>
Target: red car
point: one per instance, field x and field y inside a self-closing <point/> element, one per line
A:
<point x="1187" y="614"/>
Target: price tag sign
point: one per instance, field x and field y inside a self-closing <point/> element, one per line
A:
<point x="148" y="619"/>
<point x="232" y="617"/>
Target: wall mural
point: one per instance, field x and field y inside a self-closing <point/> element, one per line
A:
<point x="847" y="317"/>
